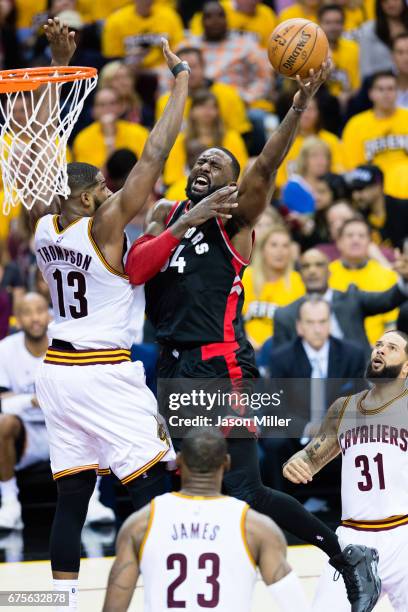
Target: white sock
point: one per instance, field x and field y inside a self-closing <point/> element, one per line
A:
<point x="9" y="491"/>
<point x="72" y="587"/>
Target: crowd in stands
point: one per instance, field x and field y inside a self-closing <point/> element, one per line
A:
<point x="322" y="271"/>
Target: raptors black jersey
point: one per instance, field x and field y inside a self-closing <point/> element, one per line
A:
<point x="197" y="296"/>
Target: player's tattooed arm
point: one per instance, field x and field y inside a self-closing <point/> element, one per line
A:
<point x="257" y="185"/>
<point x="125" y="570"/>
<point x="324" y="447"/>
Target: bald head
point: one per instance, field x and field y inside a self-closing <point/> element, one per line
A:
<point x="214" y="21"/>
<point x="314" y="269"/>
<point x="33" y="317"/>
<point x="203" y="450"/>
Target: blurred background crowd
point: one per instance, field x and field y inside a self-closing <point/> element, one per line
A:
<point x="322" y="274"/>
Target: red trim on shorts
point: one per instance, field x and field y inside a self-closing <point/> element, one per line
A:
<point x="172" y="211"/>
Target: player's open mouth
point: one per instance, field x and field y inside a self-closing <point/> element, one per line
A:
<point x="201" y="182"/>
<point x="378" y="362"/>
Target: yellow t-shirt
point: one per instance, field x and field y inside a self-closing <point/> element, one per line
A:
<point x="89" y="146"/>
<point x="125" y="28"/>
<point x="373" y="277"/>
<point x="259" y="310"/>
<point x="174" y="169"/>
<point x="353" y="18"/>
<point x="27" y="10"/>
<point x="383" y="142"/>
<point x="289" y="165"/>
<point x="298" y="11"/>
<point x="261" y="24"/>
<point x="345" y="76"/>
<point x="232" y="108"/>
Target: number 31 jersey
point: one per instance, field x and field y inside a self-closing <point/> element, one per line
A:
<point x="374" y="447"/>
<point x="194" y="555"/>
<point x="94" y="305"/>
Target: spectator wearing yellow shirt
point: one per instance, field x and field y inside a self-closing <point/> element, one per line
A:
<point x="268" y="283"/>
<point x="204" y="127"/>
<point x="380" y="136"/>
<point x="355" y="267"/>
<point x="303" y="9"/>
<point x="232" y="108"/>
<point x="344" y="79"/>
<point x="311" y="125"/>
<point x="98" y="141"/>
<point x="135" y="31"/>
<point x="244" y="16"/>
<point x="120" y="77"/>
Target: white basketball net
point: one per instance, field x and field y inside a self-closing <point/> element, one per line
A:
<point x="33" y="153"/>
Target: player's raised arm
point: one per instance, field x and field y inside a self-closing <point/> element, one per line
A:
<point x="258" y="182"/>
<point x="268" y="545"/>
<point x="324" y="447"/>
<point x="62" y="47"/>
<point x="125" y="569"/>
<point x="113" y="216"/>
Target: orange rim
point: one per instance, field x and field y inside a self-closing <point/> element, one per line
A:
<point x="29" y="79"/>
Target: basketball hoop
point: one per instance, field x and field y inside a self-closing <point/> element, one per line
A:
<point x="33" y="148"/>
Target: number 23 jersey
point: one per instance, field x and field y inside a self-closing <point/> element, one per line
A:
<point x="195" y="555"/>
<point x="94" y="305"/>
<point x="374" y="447"/>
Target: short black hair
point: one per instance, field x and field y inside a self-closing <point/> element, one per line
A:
<point x="236" y="168"/>
<point x="355" y="219"/>
<point x="330" y="7"/>
<point x="120" y="163"/>
<point x="204" y="450"/>
<point x="381" y="74"/>
<point x="402" y="335"/>
<point x="81" y="176"/>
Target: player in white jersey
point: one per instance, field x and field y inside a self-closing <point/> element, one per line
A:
<point x="23" y="435"/>
<point x="99" y="413"/>
<point x="370" y="430"/>
<point x="199" y="549"/>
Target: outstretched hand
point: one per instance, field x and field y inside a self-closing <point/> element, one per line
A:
<point x="217" y="204"/>
<point x="308" y="86"/>
<point x="61" y="40"/>
<point x="171" y="58"/>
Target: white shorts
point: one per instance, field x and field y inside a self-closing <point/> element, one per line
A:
<point x="36" y="447"/>
<point x="392" y="546"/>
<point x="100" y="417"/>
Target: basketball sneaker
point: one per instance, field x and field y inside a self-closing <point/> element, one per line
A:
<point x="10" y="515"/>
<point x="359" y="567"/>
<point x="97" y="512"/>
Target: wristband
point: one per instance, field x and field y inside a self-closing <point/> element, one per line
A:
<point x="297" y="109"/>
<point x="180" y="67"/>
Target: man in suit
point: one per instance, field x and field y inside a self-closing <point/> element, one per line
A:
<point x="316" y="356"/>
<point x="348" y="308"/>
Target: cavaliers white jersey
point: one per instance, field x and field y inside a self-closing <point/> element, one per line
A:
<point x="94" y="305"/>
<point x="374" y="446"/>
<point x="18" y="369"/>
<point x="194" y="555"/>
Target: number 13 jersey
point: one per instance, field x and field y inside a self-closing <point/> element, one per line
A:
<point x="194" y="555"/>
<point x="94" y="305"/>
<point x="374" y="447"/>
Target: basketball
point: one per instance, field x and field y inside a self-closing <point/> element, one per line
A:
<point x="297" y="45"/>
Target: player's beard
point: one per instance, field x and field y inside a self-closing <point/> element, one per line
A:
<point x="197" y="197"/>
<point x="387" y="373"/>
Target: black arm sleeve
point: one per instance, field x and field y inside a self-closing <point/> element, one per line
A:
<point x="376" y="302"/>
